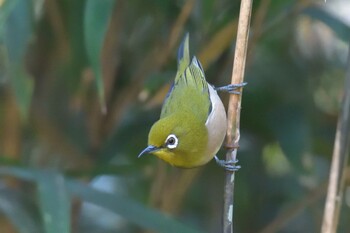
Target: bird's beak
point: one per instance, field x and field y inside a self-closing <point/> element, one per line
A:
<point x="148" y="149"/>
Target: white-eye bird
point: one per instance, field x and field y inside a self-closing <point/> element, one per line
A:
<point x="192" y="124"/>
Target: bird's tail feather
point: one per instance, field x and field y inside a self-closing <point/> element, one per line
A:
<point x="183" y="56"/>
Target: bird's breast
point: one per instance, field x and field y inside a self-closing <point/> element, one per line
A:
<point x="216" y="124"/>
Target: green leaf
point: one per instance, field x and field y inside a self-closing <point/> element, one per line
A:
<point x="22" y="85"/>
<point x="16" y="211"/>
<point x="125" y="207"/>
<point x="18" y="29"/>
<point x="5" y="10"/>
<point x="129" y="209"/>
<point x="296" y="142"/>
<point x="101" y="169"/>
<point x="96" y="20"/>
<point x="21" y="173"/>
<point x="54" y="199"/>
<point x="54" y="202"/>
<point x="7" y="160"/>
<point x="339" y="26"/>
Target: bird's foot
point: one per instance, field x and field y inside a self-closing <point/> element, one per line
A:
<point x="228" y="165"/>
<point x="231" y="88"/>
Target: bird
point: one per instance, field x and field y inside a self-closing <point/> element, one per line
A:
<point x="192" y="124"/>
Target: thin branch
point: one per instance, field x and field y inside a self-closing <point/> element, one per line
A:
<point x="234" y="110"/>
<point x="339" y="162"/>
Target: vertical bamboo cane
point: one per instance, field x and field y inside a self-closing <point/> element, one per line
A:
<point x="234" y="110"/>
<point x="339" y="162"/>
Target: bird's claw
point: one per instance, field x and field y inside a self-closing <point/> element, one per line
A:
<point x="228" y="165"/>
<point x="231" y="88"/>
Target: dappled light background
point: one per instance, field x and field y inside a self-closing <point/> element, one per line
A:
<point x="81" y="83"/>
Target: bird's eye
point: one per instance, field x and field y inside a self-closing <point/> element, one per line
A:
<point x="171" y="141"/>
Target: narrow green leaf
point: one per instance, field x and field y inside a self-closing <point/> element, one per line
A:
<point x="96" y="19"/>
<point x="17" y="212"/>
<point x="21" y="173"/>
<point x="54" y="199"/>
<point x="296" y="142"/>
<point x="125" y="207"/>
<point x="5" y="10"/>
<point x="22" y="85"/>
<point x="54" y="202"/>
<point x="7" y="160"/>
<point x="102" y="169"/>
<point x="18" y="29"/>
<point x="129" y="209"/>
<point x="339" y="26"/>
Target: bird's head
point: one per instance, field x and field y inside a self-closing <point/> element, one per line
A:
<point x="178" y="139"/>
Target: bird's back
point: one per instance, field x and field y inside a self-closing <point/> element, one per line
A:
<point x="190" y="92"/>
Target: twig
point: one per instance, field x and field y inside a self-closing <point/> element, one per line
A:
<point x="339" y="162"/>
<point x="234" y="110"/>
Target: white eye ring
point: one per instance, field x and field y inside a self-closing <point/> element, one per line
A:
<point x="171" y="141"/>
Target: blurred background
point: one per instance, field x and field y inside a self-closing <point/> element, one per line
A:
<point x="81" y="83"/>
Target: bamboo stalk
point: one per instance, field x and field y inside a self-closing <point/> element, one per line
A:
<point x="339" y="162"/>
<point x="234" y="110"/>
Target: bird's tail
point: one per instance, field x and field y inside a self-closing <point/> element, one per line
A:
<point x="189" y="71"/>
<point x="183" y="56"/>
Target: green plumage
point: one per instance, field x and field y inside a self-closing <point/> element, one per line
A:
<point x="190" y="91"/>
<point x="191" y="127"/>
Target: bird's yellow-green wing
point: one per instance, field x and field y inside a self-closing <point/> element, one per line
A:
<point x="190" y="89"/>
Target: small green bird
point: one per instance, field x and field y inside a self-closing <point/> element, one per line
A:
<point x="192" y="124"/>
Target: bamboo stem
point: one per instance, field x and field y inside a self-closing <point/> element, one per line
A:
<point x="339" y="162"/>
<point x="234" y="110"/>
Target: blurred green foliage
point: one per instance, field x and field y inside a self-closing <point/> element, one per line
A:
<point x="81" y="83"/>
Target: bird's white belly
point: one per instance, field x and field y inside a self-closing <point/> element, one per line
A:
<point x="216" y="125"/>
